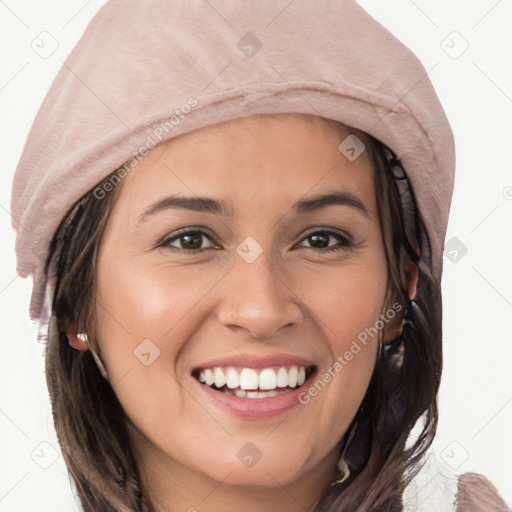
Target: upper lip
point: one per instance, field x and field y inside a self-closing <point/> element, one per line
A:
<point x="255" y="361"/>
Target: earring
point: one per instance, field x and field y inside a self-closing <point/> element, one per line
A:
<point x="101" y="367"/>
<point x="342" y="467"/>
<point x="407" y="317"/>
<point x="344" y="471"/>
<point x="99" y="364"/>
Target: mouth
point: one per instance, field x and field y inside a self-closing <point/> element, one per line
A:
<point x="254" y="383"/>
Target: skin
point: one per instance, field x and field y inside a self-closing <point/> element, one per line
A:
<point x="294" y="298"/>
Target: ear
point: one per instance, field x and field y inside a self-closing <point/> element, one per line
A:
<point x="76" y="340"/>
<point x="393" y="328"/>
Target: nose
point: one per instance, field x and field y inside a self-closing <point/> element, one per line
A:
<point x="257" y="298"/>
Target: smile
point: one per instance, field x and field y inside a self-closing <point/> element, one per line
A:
<point x="254" y="387"/>
<point x="254" y="382"/>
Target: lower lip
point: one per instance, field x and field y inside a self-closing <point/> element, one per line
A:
<point x="254" y="408"/>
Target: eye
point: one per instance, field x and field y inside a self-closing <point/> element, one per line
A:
<point x="193" y="241"/>
<point x="190" y="241"/>
<point x="321" y="240"/>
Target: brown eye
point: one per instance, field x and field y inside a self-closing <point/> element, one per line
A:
<point x="188" y="241"/>
<point x="322" y="240"/>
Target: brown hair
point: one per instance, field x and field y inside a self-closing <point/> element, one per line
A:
<point x="407" y="375"/>
<point x="91" y="424"/>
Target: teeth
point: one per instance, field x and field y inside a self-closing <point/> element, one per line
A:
<point x="254" y="394"/>
<point x="248" y="379"/>
<point x="265" y="394"/>
<point x="208" y="377"/>
<point x="220" y="378"/>
<point x="293" y="375"/>
<point x="232" y="378"/>
<point x="268" y="379"/>
<point x="282" y="378"/>
<point x="246" y="382"/>
<point x="302" y="376"/>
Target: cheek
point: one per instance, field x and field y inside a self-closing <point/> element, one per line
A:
<point x="138" y="302"/>
<point x="344" y="301"/>
<point x="146" y="315"/>
<point x="346" y="305"/>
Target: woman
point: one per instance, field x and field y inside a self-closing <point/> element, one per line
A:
<point x="237" y="222"/>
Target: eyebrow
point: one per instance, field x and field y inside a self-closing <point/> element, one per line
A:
<point x="209" y="205"/>
<point x="334" y="198"/>
<point x="198" y="204"/>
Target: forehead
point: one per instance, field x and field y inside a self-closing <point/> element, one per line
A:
<point x="263" y="155"/>
<point x="286" y="126"/>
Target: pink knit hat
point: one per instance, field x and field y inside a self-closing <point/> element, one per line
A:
<point x="147" y="70"/>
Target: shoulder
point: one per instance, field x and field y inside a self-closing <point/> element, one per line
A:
<point x="435" y="489"/>
<point x="475" y="493"/>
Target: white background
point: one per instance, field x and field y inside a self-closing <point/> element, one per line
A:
<point x="476" y="393"/>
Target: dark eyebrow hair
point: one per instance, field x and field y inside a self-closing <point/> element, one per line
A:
<point x="208" y="205"/>
<point x="333" y="198"/>
<point x="198" y="204"/>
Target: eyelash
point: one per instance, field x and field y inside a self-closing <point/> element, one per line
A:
<point x="345" y="242"/>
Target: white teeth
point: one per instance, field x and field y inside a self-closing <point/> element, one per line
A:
<point x="302" y="376"/>
<point x="268" y="379"/>
<point x="208" y="377"/>
<point x="248" y="379"/>
<point x="238" y="381"/>
<point x="293" y="375"/>
<point x="232" y="378"/>
<point x="282" y="378"/>
<point x="265" y="394"/>
<point x="220" y="378"/>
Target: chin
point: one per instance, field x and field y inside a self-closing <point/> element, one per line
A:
<point x="270" y="473"/>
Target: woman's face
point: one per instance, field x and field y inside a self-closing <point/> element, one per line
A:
<point x="248" y="252"/>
